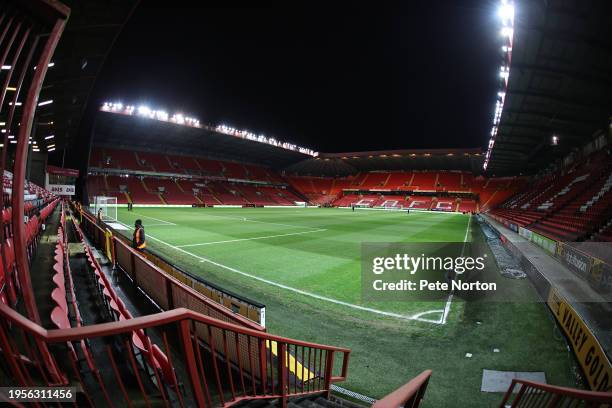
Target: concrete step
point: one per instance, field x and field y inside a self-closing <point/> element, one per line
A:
<point x="315" y="401"/>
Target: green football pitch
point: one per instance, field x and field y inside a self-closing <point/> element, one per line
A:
<point x="304" y="264"/>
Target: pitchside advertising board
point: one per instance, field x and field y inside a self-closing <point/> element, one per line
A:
<point x="60" y="180"/>
<point x="596" y="271"/>
<point x="588" y="351"/>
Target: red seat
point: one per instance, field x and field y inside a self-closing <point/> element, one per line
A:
<point x="60" y="318"/>
<point x="59" y="297"/>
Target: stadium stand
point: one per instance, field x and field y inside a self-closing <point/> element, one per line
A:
<point x="169" y="188"/>
<point x="567" y="205"/>
<point x="198" y="350"/>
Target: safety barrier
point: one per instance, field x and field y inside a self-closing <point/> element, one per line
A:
<point x="535" y="395"/>
<point x="165" y="290"/>
<point x="167" y="285"/>
<point x="409" y="395"/>
<point x="209" y="377"/>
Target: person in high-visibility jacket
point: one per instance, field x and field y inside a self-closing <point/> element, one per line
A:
<point x="138" y="239"/>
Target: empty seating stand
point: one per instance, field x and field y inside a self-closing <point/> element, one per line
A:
<point x="567" y="206"/>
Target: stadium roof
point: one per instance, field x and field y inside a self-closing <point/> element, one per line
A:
<point x="560" y="83"/>
<point x="89" y="35"/>
<point x="140" y="133"/>
<point x="342" y="164"/>
<point x="115" y="130"/>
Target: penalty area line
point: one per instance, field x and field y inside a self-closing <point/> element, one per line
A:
<point x="153" y="218"/>
<point x="250" y="239"/>
<point x="301" y="292"/>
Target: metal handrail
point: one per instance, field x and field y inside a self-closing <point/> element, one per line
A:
<point x="145" y="322"/>
<point x="557" y="395"/>
<point x="409" y="395"/>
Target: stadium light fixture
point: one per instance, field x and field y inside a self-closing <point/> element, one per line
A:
<point x="51" y="149"/>
<point x="6" y="67"/>
<point x="554" y="140"/>
<point x="150" y="113"/>
<point x="16" y="103"/>
<point x="506" y="11"/>
<point x="47" y="102"/>
<point x="184" y="120"/>
<point x="144" y="110"/>
<point x="507" y="32"/>
<point x="49" y="137"/>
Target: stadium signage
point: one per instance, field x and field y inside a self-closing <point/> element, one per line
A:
<point x="61" y="171"/>
<point x="591" y="356"/>
<point x="594" y="270"/>
<point x="61" y="189"/>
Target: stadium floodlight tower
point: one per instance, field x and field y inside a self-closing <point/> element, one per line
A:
<point x="108" y="205"/>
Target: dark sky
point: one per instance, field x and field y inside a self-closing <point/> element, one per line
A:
<point x="334" y="76"/>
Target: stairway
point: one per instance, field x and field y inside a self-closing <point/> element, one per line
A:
<point x="310" y="401"/>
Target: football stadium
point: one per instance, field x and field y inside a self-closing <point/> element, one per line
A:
<point x="313" y="206"/>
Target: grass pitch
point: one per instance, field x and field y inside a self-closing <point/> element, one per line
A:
<point x="304" y="265"/>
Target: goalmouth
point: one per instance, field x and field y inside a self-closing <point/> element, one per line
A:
<point x="108" y="205"/>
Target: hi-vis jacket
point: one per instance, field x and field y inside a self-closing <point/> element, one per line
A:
<point x="138" y="240"/>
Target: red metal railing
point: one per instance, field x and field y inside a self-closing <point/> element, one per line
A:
<point x="409" y="395"/>
<point x="205" y="363"/>
<point x="536" y="395"/>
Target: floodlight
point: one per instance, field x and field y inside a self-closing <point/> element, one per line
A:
<point x="507" y="32"/>
<point x="506" y="11"/>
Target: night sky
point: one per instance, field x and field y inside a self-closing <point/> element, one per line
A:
<point x="333" y="76"/>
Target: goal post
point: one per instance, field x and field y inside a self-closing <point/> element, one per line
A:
<point x="108" y="205"/>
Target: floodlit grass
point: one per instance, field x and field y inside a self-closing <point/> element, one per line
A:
<point x="304" y="265"/>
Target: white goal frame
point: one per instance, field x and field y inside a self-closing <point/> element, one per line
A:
<point x="108" y="206"/>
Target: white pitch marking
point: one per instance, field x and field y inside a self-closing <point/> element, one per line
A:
<point x="250" y="239"/>
<point x="302" y="292"/>
<point x="261" y="222"/>
<point x="450" y="297"/>
<point x="156" y="219"/>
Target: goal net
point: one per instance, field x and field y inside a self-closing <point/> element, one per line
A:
<point x="108" y="205"/>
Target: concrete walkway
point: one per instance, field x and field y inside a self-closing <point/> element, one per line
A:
<point x="594" y="308"/>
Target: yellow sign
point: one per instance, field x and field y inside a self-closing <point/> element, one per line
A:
<point x="588" y="351"/>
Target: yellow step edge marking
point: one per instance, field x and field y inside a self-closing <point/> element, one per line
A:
<point x="292" y="363"/>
